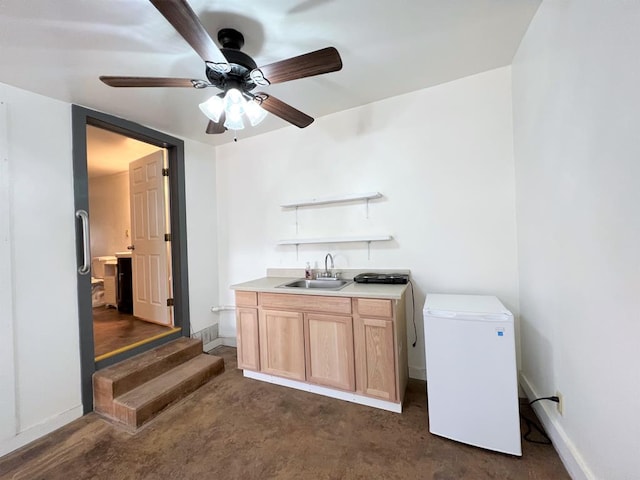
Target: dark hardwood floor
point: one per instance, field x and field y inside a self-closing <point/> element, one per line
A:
<point x="113" y="330"/>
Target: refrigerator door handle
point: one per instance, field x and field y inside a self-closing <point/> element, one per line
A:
<point x="478" y="317"/>
<point x="442" y="314"/>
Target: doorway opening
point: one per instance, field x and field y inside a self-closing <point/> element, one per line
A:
<point x="130" y="244"/>
<point x="130" y="240"/>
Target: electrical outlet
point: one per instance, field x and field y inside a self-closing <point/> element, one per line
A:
<point x="560" y="404"/>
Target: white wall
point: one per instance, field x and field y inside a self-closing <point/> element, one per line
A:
<point x="7" y="361"/>
<point x="46" y="367"/>
<point x="202" y="248"/>
<point x="576" y="103"/>
<point x="443" y="159"/>
<point x="109" y="214"/>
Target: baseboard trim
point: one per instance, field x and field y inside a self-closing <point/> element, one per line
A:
<point x="327" y="392"/>
<point x="37" y="431"/>
<point x="229" y="341"/>
<point x="226" y="341"/>
<point x="418" y="373"/>
<point x="567" y="451"/>
<point x="207" y="347"/>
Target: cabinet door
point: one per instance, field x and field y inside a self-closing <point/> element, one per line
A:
<point x="329" y="350"/>
<point x="282" y="343"/>
<point x="247" y="338"/>
<point x="375" y="358"/>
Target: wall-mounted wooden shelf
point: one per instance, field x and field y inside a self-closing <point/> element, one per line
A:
<point x="352" y="197"/>
<point x="362" y="238"/>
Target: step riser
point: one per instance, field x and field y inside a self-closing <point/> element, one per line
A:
<point x="106" y="389"/>
<point x="103" y="397"/>
<point x="135" y="418"/>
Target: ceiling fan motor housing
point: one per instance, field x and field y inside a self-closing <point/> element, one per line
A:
<point x="241" y="63"/>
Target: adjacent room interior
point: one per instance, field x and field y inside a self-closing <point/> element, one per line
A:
<point x="119" y="323"/>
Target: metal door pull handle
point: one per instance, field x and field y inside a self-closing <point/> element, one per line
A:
<point x="86" y="247"/>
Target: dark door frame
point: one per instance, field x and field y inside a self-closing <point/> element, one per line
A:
<point x="81" y="117"/>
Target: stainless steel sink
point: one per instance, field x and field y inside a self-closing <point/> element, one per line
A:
<point x="319" y="284"/>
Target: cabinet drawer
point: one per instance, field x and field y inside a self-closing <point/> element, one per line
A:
<point x="306" y="303"/>
<point x="374" y="307"/>
<point x="247" y="299"/>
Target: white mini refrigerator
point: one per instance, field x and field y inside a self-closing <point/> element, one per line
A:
<point x="472" y="387"/>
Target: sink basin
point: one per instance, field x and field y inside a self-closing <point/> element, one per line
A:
<point x="319" y="284"/>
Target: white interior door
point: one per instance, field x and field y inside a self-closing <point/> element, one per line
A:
<point x="150" y="258"/>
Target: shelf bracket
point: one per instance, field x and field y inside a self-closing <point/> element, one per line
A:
<point x="369" y="250"/>
<point x="367" y="209"/>
<point x="296" y="220"/>
<point x="297" y="245"/>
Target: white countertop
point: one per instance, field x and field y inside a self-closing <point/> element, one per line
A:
<point x="363" y="290"/>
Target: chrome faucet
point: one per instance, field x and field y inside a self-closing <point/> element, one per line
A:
<point x="327" y="273"/>
<point x="326" y="270"/>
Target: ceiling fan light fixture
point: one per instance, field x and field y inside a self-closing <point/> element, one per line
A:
<point x="213" y="108"/>
<point x="234" y="103"/>
<point x="233" y="72"/>
<point x="255" y="113"/>
<point x="234" y="123"/>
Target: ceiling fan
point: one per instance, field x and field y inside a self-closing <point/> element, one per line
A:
<point x="234" y="72"/>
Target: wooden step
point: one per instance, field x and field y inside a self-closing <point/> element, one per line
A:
<point x="123" y="377"/>
<point x="142" y="403"/>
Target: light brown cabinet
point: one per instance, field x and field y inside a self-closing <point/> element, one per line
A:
<point x="374" y="350"/>
<point x="329" y="350"/>
<point x="247" y="338"/>
<point x="355" y="345"/>
<point x="247" y="330"/>
<point x="281" y="342"/>
<point x="380" y="341"/>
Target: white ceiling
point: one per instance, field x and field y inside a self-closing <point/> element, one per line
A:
<point x="59" y="48"/>
<point x="109" y="152"/>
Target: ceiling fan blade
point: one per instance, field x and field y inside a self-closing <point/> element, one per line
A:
<point x="283" y="110"/>
<point x="152" y="82"/>
<point x="217" y="127"/>
<point x="179" y="14"/>
<point x="307" y="65"/>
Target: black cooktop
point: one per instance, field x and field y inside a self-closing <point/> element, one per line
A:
<point x="381" y="278"/>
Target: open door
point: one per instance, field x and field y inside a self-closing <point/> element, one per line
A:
<point x="150" y="235"/>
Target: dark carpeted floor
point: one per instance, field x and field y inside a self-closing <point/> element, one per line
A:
<point x="237" y="428"/>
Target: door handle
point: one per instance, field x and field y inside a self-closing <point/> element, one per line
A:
<point x="131" y="247"/>
<point x="86" y="248"/>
